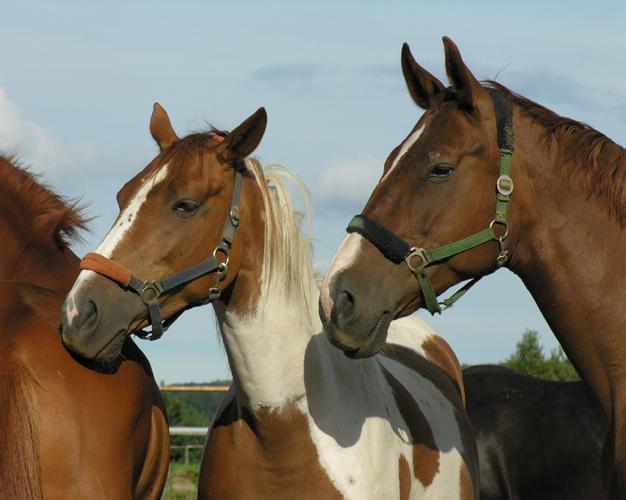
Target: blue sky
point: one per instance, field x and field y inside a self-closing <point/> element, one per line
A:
<point x="78" y="82"/>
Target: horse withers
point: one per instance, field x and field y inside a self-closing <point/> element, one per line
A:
<point x="489" y="179"/>
<point x="69" y="428"/>
<point x="301" y="420"/>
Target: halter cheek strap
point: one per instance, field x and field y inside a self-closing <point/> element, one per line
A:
<point x="150" y="291"/>
<point x="418" y="259"/>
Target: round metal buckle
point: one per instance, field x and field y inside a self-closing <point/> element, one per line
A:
<point x="504" y="184"/>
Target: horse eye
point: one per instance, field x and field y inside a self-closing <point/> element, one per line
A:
<point x="440" y="172"/>
<point x="185" y="208"/>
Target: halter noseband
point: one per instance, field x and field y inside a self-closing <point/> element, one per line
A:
<point x="149" y="291"/>
<point x="397" y="250"/>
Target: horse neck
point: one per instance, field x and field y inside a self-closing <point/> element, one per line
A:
<point x="568" y="250"/>
<point x="265" y="328"/>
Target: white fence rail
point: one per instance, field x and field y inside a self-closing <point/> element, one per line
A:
<point x="191" y="431"/>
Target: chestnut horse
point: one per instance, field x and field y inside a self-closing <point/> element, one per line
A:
<point x="301" y="419"/>
<point x="66" y="431"/>
<point x="490" y="179"/>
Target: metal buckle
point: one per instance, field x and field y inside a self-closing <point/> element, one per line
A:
<point x="234" y="216"/>
<point x="222" y="268"/>
<point x="149" y="288"/>
<point x="503" y="254"/>
<point x="214" y="293"/>
<point x="504" y="184"/>
<point x="416" y="252"/>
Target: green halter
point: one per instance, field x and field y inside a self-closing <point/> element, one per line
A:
<point x="396" y="249"/>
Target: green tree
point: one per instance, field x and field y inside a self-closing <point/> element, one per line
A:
<point x="530" y="358"/>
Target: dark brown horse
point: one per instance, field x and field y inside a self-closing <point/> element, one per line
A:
<point x="454" y="203"/>
<point x="67" y="430"/>
<point x="302" y="420"/>
<point x="536" y="438"/>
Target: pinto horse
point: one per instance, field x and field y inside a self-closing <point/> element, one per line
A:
<point x="301" y="419"/>
<point x="489" y="179"/>
<point x="536" y="438"/>
<point x="66" y="430"/>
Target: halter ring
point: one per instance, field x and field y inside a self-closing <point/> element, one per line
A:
<point x="506" y="229"/>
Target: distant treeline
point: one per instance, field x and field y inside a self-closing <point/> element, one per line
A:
<point x="196" y="409"/>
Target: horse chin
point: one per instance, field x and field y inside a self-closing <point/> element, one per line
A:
<point x="373" y="343"/>
<point x="112" y="350"/>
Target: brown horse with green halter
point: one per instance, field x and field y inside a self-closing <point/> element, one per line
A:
<point x="489" y="179"/>
<point x="68" y="428"/>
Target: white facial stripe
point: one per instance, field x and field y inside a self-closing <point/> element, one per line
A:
<point x="126" y="219"/>
<point x="113" y="239"/>
<point x="346" y="255"/>
<point x="404" y="149"/>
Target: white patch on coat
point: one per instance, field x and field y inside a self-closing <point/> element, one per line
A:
<point x="358" y="429"/>
<point x="347" y="253"/>
<point x="404" y="149"/>
<point x="411" y="332"/>
<point x="114" y="237"/>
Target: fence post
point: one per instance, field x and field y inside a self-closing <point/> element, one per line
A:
<point x="187" y="455"/>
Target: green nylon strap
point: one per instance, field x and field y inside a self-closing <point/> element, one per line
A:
<point x="430" y="297"/>
<point x="503" y="199"/>
<point x="460" y="246"/>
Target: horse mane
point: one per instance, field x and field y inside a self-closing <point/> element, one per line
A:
<point x="39" y="206"/>
<point x="600" y="162"/>
<point x="287" y="262"/>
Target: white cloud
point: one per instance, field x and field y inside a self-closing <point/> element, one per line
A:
<point x="35" y="146"/>
<point x="348" y="183"/>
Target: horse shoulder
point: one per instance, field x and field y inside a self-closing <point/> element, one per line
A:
<point x="416" y="349"/>
<point x="416" y="335"/>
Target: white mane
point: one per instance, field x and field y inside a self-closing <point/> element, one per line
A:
<point x="287" y="262"/>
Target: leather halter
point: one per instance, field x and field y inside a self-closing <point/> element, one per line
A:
<point x="397" y="250"/>
<point x="149" y="291"/>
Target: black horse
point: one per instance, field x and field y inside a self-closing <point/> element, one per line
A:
<point x="537" y="439"/>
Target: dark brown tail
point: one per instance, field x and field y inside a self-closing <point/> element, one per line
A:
<point x="20" y="472"/>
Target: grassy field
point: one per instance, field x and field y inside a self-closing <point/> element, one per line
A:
<point x="182" y="482"/>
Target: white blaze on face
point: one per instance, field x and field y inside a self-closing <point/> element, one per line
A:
<point x="350" y="247"/>
<point x="115" y="236"/>
<point x="346" y="255"/>
<point x="404" y="149"/>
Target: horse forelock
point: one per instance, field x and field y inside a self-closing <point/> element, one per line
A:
<point x="35" y="203"/>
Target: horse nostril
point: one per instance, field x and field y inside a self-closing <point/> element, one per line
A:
<point x="90" y="320"/>
<point x="345" y="307"/>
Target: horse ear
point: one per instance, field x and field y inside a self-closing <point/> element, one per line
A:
<point x="468" y="89"/>
<point x="161" y="127"/>
<point x="242" y="141"/>
<point x="422" y="86"/>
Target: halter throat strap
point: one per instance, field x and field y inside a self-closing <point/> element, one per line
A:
<point x="150" y="291"/>
<point x="418" y="259"/>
